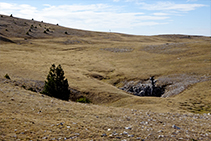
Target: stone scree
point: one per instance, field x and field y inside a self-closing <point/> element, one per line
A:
<point x="144" y="88"/>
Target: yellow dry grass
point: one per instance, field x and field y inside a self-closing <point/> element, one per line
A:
<point x="94" y="64"/>
<point x="31" y="59"/>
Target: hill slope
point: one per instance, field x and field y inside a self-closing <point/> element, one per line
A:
<point x="25" y="115"/>
<point x="96" y="65"/>
<point x="95" y="62"/>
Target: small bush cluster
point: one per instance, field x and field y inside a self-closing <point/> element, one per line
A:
<point x="83" y="100"/>
<point x="7" y="76"/>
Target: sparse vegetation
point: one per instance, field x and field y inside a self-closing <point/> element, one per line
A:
<point x="56" y="84"/>
<point x="97" y="67"/>
<point x="7" y="76"/>
<point x="83" y="100"/>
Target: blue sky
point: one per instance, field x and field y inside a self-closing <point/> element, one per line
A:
<point x="139" y="17"/>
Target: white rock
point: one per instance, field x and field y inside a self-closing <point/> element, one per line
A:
<point x="125" y="132"/>
<point x="128" y="128"/>
<point x="130" y="135"/>
<point x="175" y="127"/>
<point x="161" y="136"/>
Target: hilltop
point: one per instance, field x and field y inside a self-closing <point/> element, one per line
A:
<point x="97" y="65"/>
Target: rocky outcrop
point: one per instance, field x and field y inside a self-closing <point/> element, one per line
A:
<point x="144" y="88"/>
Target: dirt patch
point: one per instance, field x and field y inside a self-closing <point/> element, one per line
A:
<point x="75" y="49"/>
<point x="178" y="83"/>
<point x="117" y="49"/>
<point x="168" y="48"/>
<point x="32" y="85"/>
<point x="75" y="41"/>
<point x="5" y="40"/>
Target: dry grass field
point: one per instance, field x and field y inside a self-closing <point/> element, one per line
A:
<point x="96" y="65"/>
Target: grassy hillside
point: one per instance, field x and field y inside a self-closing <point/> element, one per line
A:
<point x="96" y="64"/>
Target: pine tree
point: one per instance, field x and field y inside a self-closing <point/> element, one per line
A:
<point x="56" y="84"/>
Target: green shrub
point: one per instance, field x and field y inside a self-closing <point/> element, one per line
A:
<point x="83" y="100"/>
<point x="29" y="30"/>
<point x="27" y="33"/>
<point x="56" y="84"/>
<point x="45" y="32"/>
<point x="66" y="32"/>
<point x="11" y="15"/>
<point x="23" y="86"/>
<point x="7" y="76"/>
<point x="6" y="29"/>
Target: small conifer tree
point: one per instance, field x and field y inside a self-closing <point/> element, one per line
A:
<point x="56" y="84"/>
